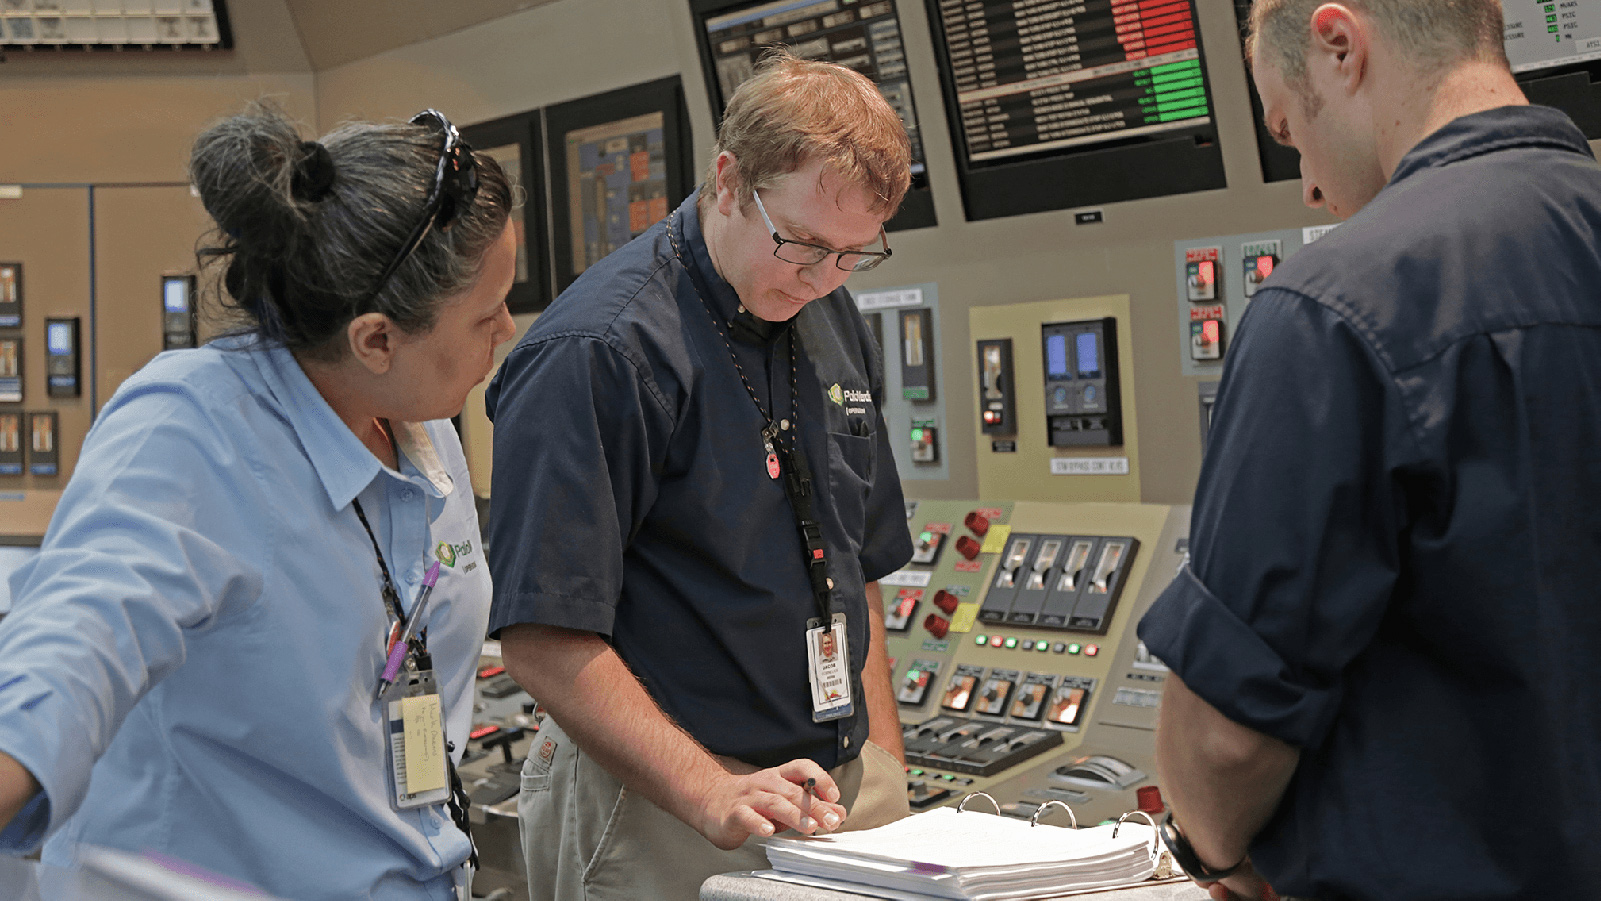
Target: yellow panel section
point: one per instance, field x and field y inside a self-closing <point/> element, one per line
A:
<point x="1027" y="472"/>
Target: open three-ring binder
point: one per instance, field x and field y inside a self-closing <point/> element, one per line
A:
<point x="968" y="854"/>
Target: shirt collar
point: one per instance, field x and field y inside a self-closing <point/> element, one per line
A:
<point x="343" y="464"/>
<point x="1502" y="128"/>
<point x="742" y="325"/>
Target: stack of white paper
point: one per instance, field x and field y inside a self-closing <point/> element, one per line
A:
<point x="947" y="853"/>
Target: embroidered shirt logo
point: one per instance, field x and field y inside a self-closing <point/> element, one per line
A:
<point x="836" y="395"/>
<point x="445" y="553"/>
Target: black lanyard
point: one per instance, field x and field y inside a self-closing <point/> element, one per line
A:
<point x="796" y="473"/>
<point x="459" y="802"/>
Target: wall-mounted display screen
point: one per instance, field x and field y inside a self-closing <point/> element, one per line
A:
<point x="1544" y="35"/>
<point x="1089" y="355"/>
<point x="1117" y="88"/>
<point x="58" y="337"/>
<point x="1037" y="75"/>
<point x="865" y="36"/>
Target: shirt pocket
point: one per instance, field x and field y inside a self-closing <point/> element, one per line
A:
<point x="850" y="478"/>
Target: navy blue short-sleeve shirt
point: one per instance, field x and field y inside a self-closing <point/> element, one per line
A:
<point x="1397" y="527"/>
<point x="631" y="496"/>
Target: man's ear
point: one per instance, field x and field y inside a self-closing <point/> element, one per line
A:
<point x="727" y="185"/>
<point x="1340" y="44"/>
<point x="372" y="341"/>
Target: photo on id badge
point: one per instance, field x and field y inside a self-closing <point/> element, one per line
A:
<point x="828" y="660"/>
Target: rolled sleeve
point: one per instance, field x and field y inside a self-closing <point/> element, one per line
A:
<point x="578" y="437"/>
<point x="1295" y="531"/>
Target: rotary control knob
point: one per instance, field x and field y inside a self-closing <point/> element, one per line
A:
<point x="967" y="547"/>
<point x="946" y="601"/>
<point x="937" y="625"/>
<point x="977" y="523"/>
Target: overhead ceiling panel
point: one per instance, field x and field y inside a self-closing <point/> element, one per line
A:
<point x="336" y="32"/>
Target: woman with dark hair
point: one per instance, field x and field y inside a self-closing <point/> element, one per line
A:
<point x="249" y="639"/>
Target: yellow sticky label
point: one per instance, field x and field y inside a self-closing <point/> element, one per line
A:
<point x="425" y="744"/>
<point x="995" y="539"/>
<point x="966" y="614"/>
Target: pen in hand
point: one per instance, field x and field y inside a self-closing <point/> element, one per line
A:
<point x="397" y="652"/>
<point x="806" y="802"/>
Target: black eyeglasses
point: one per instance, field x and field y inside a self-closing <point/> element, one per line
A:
<point x="802" y="254"/>
<point x="455" y="185"/>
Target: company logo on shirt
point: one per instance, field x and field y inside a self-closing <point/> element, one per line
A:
<point x="447" y="552"/>
<point x="836" y="395"/>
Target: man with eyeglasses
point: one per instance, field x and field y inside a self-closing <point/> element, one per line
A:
<point x="694" y="498"/>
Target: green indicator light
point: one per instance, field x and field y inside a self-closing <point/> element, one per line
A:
<point x="1074" y="648"/>
<point x="1196" y="113"/>
<point x="917" y="435"/>
<point x="916" y="772"/>
<point x="948" y="777"/>
<point x="1171" y="77"/>
<point x="1042" y="647"/>
<point x="1178" y="84"/>
<point x="981" y="639"/>
<point x="1011" y="642"/>
<point x="1175" y="67"/>
<point x="1178" y="97"/>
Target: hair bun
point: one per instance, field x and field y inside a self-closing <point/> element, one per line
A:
<point x="314" y="173"/>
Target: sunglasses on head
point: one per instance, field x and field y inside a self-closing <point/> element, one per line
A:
<point x="454" y="187"/>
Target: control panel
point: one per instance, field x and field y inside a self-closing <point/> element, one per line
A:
<point x="1016" y="666"/>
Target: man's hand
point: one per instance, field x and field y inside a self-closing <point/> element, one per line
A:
<point x="768" y="801"/>
<point x="17" y="787"/>
<point x="1245" y="884"/>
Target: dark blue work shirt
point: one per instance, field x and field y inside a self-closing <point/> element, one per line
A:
<point x="632" y="499"/>
<point x="1396" y="534"/>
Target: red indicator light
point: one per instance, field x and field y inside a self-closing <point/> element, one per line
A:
<point x="1090" y="650"/>
<point x="1205" y="272"/>
<point x="996" y="641"/>
<point x="1264" y="267"/>
<point x="1209" y="331"/>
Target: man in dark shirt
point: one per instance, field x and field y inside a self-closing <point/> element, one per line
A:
<point x="692" y="487"/>
<point x="1386" y="644"/>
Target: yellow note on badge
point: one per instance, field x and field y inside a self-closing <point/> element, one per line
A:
<point x="425" y="744"/>
<point x="995" y="539"/>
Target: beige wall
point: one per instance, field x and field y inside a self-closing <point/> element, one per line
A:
<point x="573" y="48"/>
<point x="129" y="118"/>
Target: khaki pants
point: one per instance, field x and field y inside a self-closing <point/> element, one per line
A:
<point x="586" y="838"/>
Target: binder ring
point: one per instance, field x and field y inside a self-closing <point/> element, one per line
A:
<point x="1156" y="848"/>
<point x="962" y="807"/>
<point x="1034" y="820"/>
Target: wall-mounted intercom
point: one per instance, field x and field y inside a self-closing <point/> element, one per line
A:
<point x="996" y="387"/>
<point x="63" y="368"/>
<point x="1083" y="406"/>
<point x="178" y="320"/>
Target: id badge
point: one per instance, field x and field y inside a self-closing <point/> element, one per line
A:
<point x="828" y="666"/>
<point x="414" y="717"/>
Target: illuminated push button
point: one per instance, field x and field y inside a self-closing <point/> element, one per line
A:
<point x="1042" y="646"/>
<point x="946" y="601"/>
<point x="995" y="641"/>
<point x="978" y="523"/>
<point x="1011" y="643"/>
<point x="1074" y="648"/>
<point x="1090" y="650"/>
<point x="1028" y="644"/>
<point x="967" y="547"/>
<point x="937" y="625"/>
<point x="981" y="640"/>
<point x="915" y="772"/>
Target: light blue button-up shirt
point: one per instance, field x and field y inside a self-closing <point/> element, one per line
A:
<point x="190" y="662"/>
